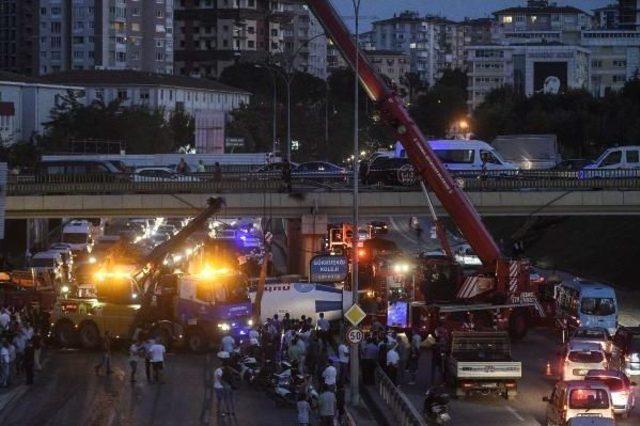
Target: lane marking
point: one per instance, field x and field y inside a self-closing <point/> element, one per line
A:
<point x="515" y="413"/>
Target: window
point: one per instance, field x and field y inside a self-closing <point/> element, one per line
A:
<point x="507" y="19"/>
<point x="274" y="32"/>
<point x="43" y="11"/>
<point x="78" y="54"/>
<point x="620" y="64"/>
<point x="596" y="64"/>
<point x="612" y="159"/>
<point x="55" y="55"/>
<point x="251" y="44"/>
<point x="144" y="95"/>
<point x="586" y="357"/>
<point x="159" y="13"/>
<point x="597" y="306"/>
<point x="55" y="11"/>
<point x="100" y="94"/>
<point x="122" y="94"/>
<point x="488" y="158"/>
<point x="78" y="40"/>
<point x="632" y="157"/>
<point x="456" y="156"/>
<point x="56" y="27"/>
<point x="589" y="399"/>
<point x="135" y="26"/>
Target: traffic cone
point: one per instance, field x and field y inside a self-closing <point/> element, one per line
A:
<point x="547" y="370"/>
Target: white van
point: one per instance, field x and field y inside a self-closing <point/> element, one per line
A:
<point x="48" y="262"/>
<point x="576" y="399"/>
<point x="617" y="158"/>
<point x="587" y="304"/>
<point x="465" y="155"/>
<point x="78" y="234"/>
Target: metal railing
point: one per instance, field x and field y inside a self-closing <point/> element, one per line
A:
<point x="401" y="408"/>
<point x="258" y="182"/>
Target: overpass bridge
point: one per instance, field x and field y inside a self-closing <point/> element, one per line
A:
<point x="262" y="195"/>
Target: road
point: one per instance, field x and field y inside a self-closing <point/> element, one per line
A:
<point x="538" y="347"/>
<point x="68" y="393"/>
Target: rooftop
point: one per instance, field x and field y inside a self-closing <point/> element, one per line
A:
<point x="136" y="78"/>
<point x="533" y="10"/>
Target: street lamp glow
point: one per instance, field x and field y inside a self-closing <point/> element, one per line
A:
<point x="463" y="124"/>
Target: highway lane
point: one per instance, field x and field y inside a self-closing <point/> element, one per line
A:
<point x="69" y="393"/>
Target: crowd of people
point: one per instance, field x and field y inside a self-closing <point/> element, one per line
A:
<point x="21" y="345"/>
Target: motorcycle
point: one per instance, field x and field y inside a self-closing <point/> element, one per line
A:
<point x="436" y="406"/>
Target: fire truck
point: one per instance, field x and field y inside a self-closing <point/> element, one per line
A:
<point x="193" y="307"/>
<point x="500" y="290"/>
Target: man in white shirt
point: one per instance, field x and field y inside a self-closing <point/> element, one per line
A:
<point x="5" y="364"/>
<point x="156" y="357"/>
<point x="4" y="318"/>
<point x="228" y="343"/>
<point x="329" y="375"/>
<point x="218" y="387"/>
<point x="343" y="361"/>
<point x="324" y="328"/>
<point x="393" y="362"/>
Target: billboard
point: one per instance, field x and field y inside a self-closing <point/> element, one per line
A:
<point x="549" y="77"/>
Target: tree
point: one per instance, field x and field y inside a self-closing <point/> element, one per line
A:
<point x="143" y="129"/>
<point x="414" y="84"/>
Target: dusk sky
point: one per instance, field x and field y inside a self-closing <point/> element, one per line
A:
<point x="453" y="9"/>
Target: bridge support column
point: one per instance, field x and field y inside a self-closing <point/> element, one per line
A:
<point x="305" y="238"/>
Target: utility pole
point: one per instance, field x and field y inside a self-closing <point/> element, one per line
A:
<point x="354" y="353"/>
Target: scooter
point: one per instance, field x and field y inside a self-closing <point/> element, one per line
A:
<point x="436" y="406"/>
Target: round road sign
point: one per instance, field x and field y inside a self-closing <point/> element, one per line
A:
<point x="354" y="335"/>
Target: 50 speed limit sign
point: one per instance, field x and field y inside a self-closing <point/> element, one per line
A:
<point x="354" y="335"/>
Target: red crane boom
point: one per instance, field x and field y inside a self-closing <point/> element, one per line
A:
<point x="419" y="153"/>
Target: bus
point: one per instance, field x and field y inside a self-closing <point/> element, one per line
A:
<point x="582" y="303"/>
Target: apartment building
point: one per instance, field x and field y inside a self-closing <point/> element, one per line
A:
<point x="106" y="34"/>
<point x="18" y="36"/>
<point x="390" y="63"/>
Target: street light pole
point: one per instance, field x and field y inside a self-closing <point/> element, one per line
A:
<point x="288" y="80"/>
<point x="355" y="360"/>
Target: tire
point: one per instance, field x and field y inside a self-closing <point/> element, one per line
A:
<point x="66" y="334"/>
<point x="196" y="341"/>
<point x="518" y="325"/>
<point x="89" y="336"/>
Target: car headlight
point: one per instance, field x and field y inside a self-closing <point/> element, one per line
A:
<point x="64" y="289"/>
<point x="92" y="259"/>
<point x="250" y="323"/>
<point x="224" y="326"/>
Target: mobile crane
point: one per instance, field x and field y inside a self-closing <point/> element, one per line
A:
<point x="502" y="286"/>
<point x="146" y="295"/>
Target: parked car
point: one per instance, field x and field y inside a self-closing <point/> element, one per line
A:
<point x="321" y="171"/>
<point x="161" y="174"/>
<point x="598" y="335"/>
<point x="576" y="398"/>
<point x="620" y="387"/>
<point x="621" y="161"/>
<point x="625" y="353"/>
<point x="578" y="358"/>
<point x="390" y="171"/>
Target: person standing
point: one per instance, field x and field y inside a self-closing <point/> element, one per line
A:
<point x="438" y="353"/>
<point x="28" y="361"/>
<point x="327" y="407"/>
<point x="218" y="387"/>
<point x="393" y="363"/>
<point x="201" y="168"/>
<point x="135" y="350"/>
<point x="343" y="361"/>
<point x="329" y="375"/>
<point x="217" y="177"/>
<point x="182" y="167"/>
<point x="304" y="410"/>
<point x="324" y="328"/>
<point x="37" y="350"/>
<point x="228" y="343"/>
<point x="369" y="358"/>
<point x="157" y="351"/>
<point x="106" y="354"/>
<point x="5" y="363"/>
<point x="286" y="174"/>
<point x="146" y="352"/>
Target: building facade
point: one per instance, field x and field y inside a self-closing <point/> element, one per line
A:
<point x="209" y="102"/>
<point x="392" y="64"/>
<point x="25" y="104"/>
<point x="529" y="69"/>
<point x="18" y="36"/>
<point x="106" y="34"/>
<point x="629" y="14"/>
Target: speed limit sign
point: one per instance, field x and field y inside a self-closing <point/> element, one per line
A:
<point x="354" y="335"/>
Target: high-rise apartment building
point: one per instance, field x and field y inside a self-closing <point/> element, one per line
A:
<point x="214" y="34"/>
<point x="629" y="14"/>
<point x="18" y="36"/>
<point x="106" y="34"/>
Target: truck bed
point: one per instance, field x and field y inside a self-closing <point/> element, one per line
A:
<point x="487" y="370"/>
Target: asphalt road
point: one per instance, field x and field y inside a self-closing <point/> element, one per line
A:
<point x="538" y="347"/>
<point x="68" y="393"/>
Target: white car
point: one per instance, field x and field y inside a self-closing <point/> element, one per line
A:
<point x="620" y="387"/>
<point x="580" y="357"/>
<point x="597" y="335"/>
<point x="161" y="174"/>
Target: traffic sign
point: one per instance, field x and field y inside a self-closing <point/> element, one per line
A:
<point x="355" y="315"/>
<point x="354" y="335"/>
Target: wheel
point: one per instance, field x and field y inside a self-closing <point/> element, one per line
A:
<point x="196" y="341"/>
<point x="65" y="334"/>
<point x="89" y="336"/>
<point x="518" y="325"/>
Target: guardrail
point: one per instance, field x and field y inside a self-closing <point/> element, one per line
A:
<point x="272" y="182"/>
<point x="401" y="408"/>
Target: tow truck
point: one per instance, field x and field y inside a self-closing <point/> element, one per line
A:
<point x="500" y="288"/>
<point x="173" y="306"/>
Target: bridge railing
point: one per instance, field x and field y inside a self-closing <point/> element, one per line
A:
<point x="236" y="182"/>
<point x="401" y="408"/>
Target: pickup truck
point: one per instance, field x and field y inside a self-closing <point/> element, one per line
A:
<point x="480" y="362"/>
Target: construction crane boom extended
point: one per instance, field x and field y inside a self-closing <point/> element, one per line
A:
<point x="421" y="156"/>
